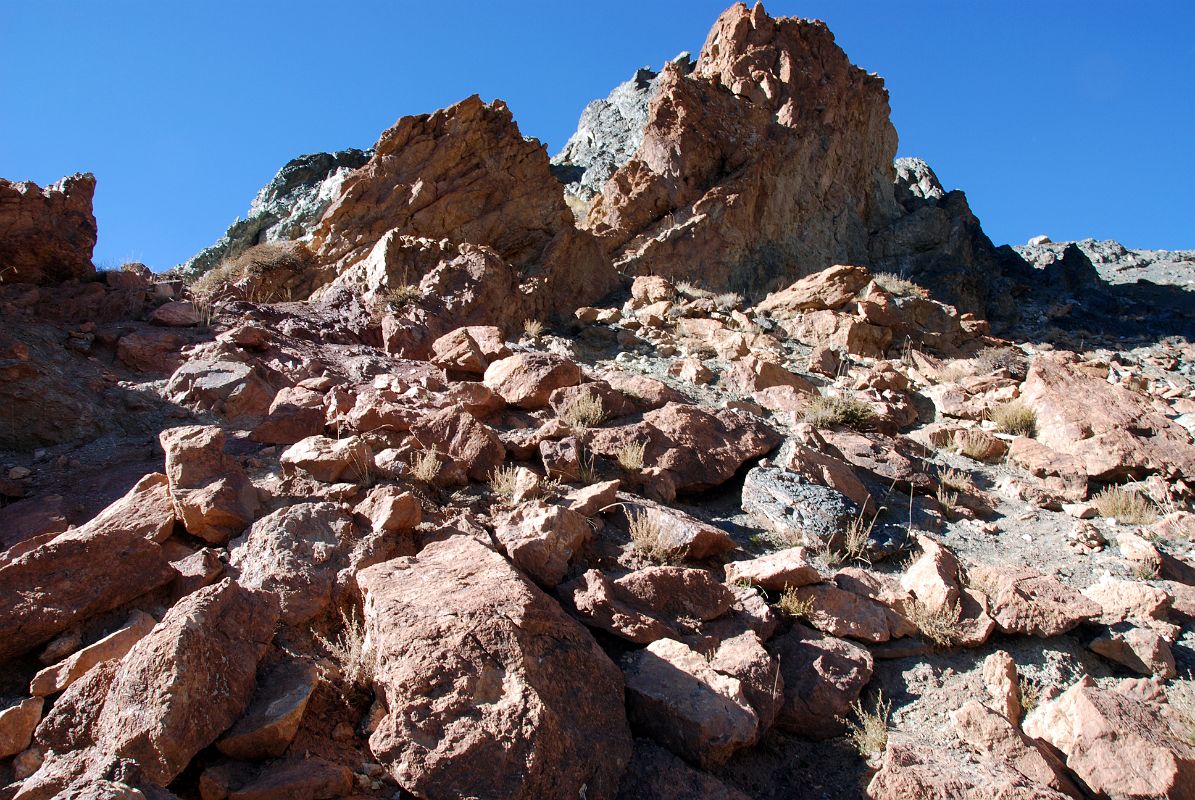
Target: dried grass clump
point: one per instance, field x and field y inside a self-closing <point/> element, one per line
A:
<point x="973" y="444"/>
<point x="1031" y="690"/>
<point x="502" y="481"/>
<point x="426" y="466"/>
<point x="693" y="291"/>
<point x="533" y="329"/>
<point x="956" y="479"/>
<point x="991" y="359"/>
<point x="264" y="265"/>
<point x="728" y="301"/>
<point x="1015" y="418"/>
<point x="826" y="412"/>
<point x="347" y="651"/>
<point x="647" y="536"/>
<point x="1125" y="506"/>
<point x="946" y="498"/>
<point x="398" y="298"/>
<point x="869" y="729"/>
<point x="584" y="410"/>
<point x="794" y="605"/>
<point x="897" y="286"/>
<point x="952" y="372"/>
<point x="630" y="456"/>
<point x="940" y="625"/>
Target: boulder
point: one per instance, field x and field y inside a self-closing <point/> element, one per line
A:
<point x="994" y="736"/>
<point x="96" y="567"/>
<point x="677" y="535"/>
<point x="390" y="509"/>
<point x="58" y="677"/>
<point x="329" y="460"/>
<point x="296" y="554"/>
<point x="656" y="773"/>
<point x="842" y="613"/>
<point x="231" y="389"/>
<point x="470" y="349"/>
<point x="175" y="314"/>
<point x="919" y="772"/>
<point x="541" y="539"/>
<point x="1026" y="602"/>
<point x="1142" y="650"/>
<point x="1114" y="431"/>
<point x="675" y="697"/>
<point x="527" y="705"/>
<point x="830" y="288"/>
<point x="775" y="572"/>
<point x="527" y="380"/>
<point x="273" y="716"/>
<point x="17" y="723"/>
<point x="796" y="509"/>
<point x="822" y="676"/>
<point x="295" y="414"/>
<point x="457" y="436"/>
<point x="1116" y="743"/>
<point x="212" y="496"/>
<point x="47" y="235"/>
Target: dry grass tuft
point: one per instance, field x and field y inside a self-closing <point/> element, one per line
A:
<point x="946" y="498"/>
<point x="584" y="410"/>
<point x="533" y="329"/>
<point x="826" y="412"/>
<point x="972" y="443"/>
<point x="794" y="605"/>
<point x="502" y="481"/>
<point x="647" y="536"/>
<point x="869" y="729"/>
<point x="630" y="456"/>
<point x="1015" y="418"/>
<point x="693" y="291"/>
<point x="728" y="301"/>
<point x="261" y="261"/>
<point x="347" y="651"/>
<point x="897" y="286"/>
<point x="398" y="298"/>
<point x="1125" y="506"/>
<point x="956" y="479"/>
<point x="991" y="359"/>
<point x="1031" y="691"/>
<point x="426" y="466"/>
<point x="940" y="625"/>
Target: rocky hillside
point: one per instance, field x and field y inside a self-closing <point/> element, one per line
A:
<point x="695" y="462"/>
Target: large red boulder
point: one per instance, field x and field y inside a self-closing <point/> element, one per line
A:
<point x="47" y="235"/>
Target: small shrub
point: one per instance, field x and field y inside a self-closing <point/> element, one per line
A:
<point x="973" y="444"/>
<point x="1015" y="418"/>
<point x="647" y="536"/>
<point x="347" y="651"/>
<point x="728" y="301"/>
<point x="897" y="286"/>
<point x="1031" y="691"/>
<point x="587" y="468"/>
<point x="794" y="605"/>
<point x="991" y="359"/>
<point x="502" y="481"/>
<point x="398" y="298"/>
<point x="630" y="456"/>
<point x="584" y="410"/>
<point x="826" y="412"/>
<point x="533" y="329"/>
<point x="1128" y="507"/>
<point x="869" y="729"/>
<point x="426" y="466"/>
<point x="858" y="533"/>
<point x="940" y="625"/>
<point x="1146" y="570"/>
<point x="946" y="498"/>
<point x="956" y="479"/>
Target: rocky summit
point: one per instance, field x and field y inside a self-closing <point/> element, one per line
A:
<point x="718" y="456"/>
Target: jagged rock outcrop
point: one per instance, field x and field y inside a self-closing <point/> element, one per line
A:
<point x="1116" y="263"/>
<point x="287" y="208"/>
<point x="47" y="235"/>
<point x="772" y="160"/>
<point x="465" y="174"/>
<point x="609" y="132"/>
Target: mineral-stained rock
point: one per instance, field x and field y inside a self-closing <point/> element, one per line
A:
<point x="797" y="509"/>
<point x="1114" y="431"/>
<point x="274" y="714"/>
<point x="822" y="677"/>
<point x="466" y="174"/>
<point x="541" y="539"/>
<point x="96" y="567"/>
<point x="527" y="380"/>
<point x="296" y="554"/>
<point x="775" y="572"/>
<point x="718" y="190"/>
<point x="54" y="679"/>
<point x="1117" y="744"/>
<point x="526" y="704"/>
<point x="231" y="389"/>
<point x="212" y="496"/>
<point x="47" y="235"/>
<point x="675" y="697"/>
<point x="170" y="697"/>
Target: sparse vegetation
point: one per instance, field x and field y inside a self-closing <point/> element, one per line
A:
<point x="991" y="359"/>
<point x="502" y="481"/>
<point x="897" y="286"/>
<point x="826" y="412"/>
<point x="426" y="466"/>
<point x="952" y="372"/>
<point x="362" y="466"/>
<point x="398" y="298"/>
<point x="794" y="605"/>
<point x="587" y="468"/>
<point x="693" y="291"/>
<point x="869" y="729"/>
<point x="269" y="263"/>
<point x="647" y="536"/>
<point x="728" y="301"/>
<point x="533" y="329"/>
<point x="947" y="499"/>
<point x="1146" y="570"/>
<point x="955" y="479"/>
<point x="1031" y="691"/>
<point x="1125" y="506"/>
<point x="940" y="625"/>
<point x="630" y="456"/>
<point x="584" y="410"/>
<point x="347" y="651"/>
<point x="972" y="443"/>
<point x="1015" y="418"/>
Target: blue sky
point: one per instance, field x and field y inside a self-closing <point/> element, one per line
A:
<point x="1069" y="118"/>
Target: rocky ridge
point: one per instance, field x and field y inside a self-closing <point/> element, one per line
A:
<point x="836" y="540"/>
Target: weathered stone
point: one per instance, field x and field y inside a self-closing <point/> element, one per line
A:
<point x="231" y="389"/>
<point x="796" y="509"/>
<point x="1140" y="649"/>
<point x="1027" y="602"/>
<point x="995" y="736"/>
<point x="527" y="380"/>
<point x="16" y="725"/>
<point x="822" y="677"/>
<point x="1004" y="688"/>
<point x="457" y="436"/>
<point x="273" y="716"/>
<point x="47" y="235"/>
<point x="54" y="679"/>
<point x="294" y="414"/>
<point x="329" y="460"/>
<point x="389" y="508"/>
<point x="541" y="539"/>
<point x="212" y="496"/>
<point x="775" y="572"/>
<point x="527" y="703"/>
<point x="678" y="535"/>
<point x="909" y="772"/>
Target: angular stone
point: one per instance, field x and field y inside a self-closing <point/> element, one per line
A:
<point x="1003" y="685"/>
<point x="294" y="414"/>
<point x="213" y="497"/>
<point x="910" y="772"/>
<point x="527" y="380"/>
<point x="541" y="539"/>
<point x="54" y="679"/>
<point x="329" y="460"/>
<point x="389" y="508"/>
<point x="16" y="725"/>
<point x="775" y="572"/>
<point x="1027" y="602"/>
<point x="1140" y="649"/>
<point x="994" y="736"/>
<point x="273" y="716"/>
<point x="457" y="436"/>
<point x="822" y="677"/>
<point x="680" y="535"/>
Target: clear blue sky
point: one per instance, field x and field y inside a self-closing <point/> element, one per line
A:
<point x="1069" y="118"/>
